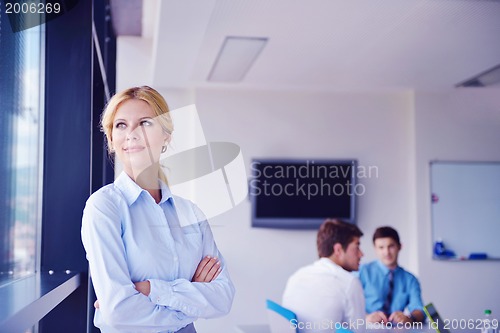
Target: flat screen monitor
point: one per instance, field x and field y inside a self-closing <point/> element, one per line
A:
<point x="301" y="194"/>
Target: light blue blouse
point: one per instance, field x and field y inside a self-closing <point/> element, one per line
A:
<point x="129" y="238"/>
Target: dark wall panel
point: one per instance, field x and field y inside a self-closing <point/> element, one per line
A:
<point x="67" y="137"/>
<point x="68" y="110"/>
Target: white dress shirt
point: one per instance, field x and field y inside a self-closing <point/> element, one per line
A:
<point x="324" y="296"/>
<point x="129" y="238"/>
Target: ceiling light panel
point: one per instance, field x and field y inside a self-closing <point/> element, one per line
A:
<point x="491" y="77"/>
<point x="235" y="58"/>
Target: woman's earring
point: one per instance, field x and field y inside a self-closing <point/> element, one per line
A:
<point x="163" y="149"/>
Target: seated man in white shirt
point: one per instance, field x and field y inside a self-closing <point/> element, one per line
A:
<point x="325" y="296"/>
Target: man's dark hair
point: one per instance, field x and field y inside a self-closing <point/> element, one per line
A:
<point x="386" y="232"/>
<point x="334" y="231"/>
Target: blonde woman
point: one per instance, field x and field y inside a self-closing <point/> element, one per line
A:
<point x="154" y="263"/>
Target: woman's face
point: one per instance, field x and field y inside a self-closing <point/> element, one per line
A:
<point x="137" y="137"/>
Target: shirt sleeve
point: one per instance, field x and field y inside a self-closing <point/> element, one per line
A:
<point x="368" y="291"/>
<point x="121" y="306"/>
<point x="355" y="311"/>
<point x="415" y="300"/>
<point x="197" y="299"/>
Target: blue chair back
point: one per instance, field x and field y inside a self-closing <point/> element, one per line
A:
<point x="280" y="318"/>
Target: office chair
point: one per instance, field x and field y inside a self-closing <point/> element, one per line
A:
<point x="279" y="318"/>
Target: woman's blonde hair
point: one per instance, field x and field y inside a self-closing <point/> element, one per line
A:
<point x="143" y="93"/>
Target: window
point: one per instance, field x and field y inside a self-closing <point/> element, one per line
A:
<point x="21" y="152"/>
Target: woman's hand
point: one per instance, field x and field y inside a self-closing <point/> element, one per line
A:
<point x="144" y="287"/>
<point x="208" y="269"/>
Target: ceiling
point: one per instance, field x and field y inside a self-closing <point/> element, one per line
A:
<point x="327" y="44"/>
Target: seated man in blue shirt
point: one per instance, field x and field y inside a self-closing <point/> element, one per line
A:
<point x="388" y="288"/>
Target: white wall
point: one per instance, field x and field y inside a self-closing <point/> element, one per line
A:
<point x="463" y="124"/>
<point x="132" y="50"/>
<point x="374" y="128"/>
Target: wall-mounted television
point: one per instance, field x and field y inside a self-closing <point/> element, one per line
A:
<point x="301" y="194"/>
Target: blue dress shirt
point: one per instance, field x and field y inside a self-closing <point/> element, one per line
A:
<point x="129" y="238"/>
<point x="406" y="292"/>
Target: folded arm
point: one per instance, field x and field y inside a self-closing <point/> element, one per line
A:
<point x="198" y="298"/>
<point x="208" y="269"/>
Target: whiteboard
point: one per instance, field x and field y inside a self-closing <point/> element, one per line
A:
<point x="465" y="203"/>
